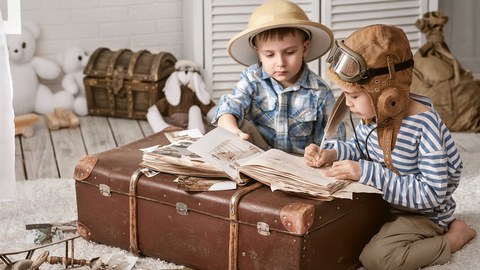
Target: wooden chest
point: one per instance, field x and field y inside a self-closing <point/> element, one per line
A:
<point x="247" y="228"/>
<point x="124" y="83"/>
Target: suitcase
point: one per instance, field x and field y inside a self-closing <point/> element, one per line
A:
<point x="124" y="83"/>
<point x="247" y="228"/>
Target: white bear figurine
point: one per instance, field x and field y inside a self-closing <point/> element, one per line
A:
<point x="29" y="95"/>
<point x="73" y="60"/>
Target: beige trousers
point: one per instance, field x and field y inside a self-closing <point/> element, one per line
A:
<point x="408" y="242"/>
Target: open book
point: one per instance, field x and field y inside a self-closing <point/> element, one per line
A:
<point x="194" y="174"/>
<point x="174" y="158"/>
<point x="275" y="168"/>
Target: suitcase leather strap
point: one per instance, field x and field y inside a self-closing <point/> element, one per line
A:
<point x="233" y="243"/>
<point x="133" y="210"/>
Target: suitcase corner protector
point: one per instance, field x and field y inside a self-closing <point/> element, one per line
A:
<point x="84" y="167"/>
<point x="84" y="232"/>
<point x="297" y="217"/>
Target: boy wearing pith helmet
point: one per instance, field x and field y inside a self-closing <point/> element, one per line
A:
<point x="401" y="147"/>
<point x="278" y="102"/>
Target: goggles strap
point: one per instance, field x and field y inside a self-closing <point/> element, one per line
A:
<point x="372" y="72"/>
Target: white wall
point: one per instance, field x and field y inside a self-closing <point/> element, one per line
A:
<point x="462" y="32"/>
<point x="155" y="25"/>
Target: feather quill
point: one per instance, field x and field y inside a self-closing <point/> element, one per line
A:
<point x="339" y="112"/>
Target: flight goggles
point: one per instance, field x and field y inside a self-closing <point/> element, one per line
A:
<point x="351" y="67"/>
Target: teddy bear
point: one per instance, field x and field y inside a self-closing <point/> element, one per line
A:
<point x="29" y="95"/>
<point x="186" y="103"/>
<point x="73" y="60"/>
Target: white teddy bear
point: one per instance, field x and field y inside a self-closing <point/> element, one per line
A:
<point x="29" y="95"/>
<point x="73" y="60"/>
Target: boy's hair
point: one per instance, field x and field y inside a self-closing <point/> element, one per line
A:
<point x="278" y="34"/>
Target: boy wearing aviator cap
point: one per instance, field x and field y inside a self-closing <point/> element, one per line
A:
<point x="401" y="147"/>
<point x="278" y="101"/>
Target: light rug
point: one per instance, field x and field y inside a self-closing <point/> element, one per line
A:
<point x="53" y="200"/>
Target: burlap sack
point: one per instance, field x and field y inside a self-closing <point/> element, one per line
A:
<point x="438" y="75"/>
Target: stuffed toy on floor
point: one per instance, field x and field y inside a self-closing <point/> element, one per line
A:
<point x="29" y="95"/>
<point x="73" y="60"/>
<point x="186" y="104"/>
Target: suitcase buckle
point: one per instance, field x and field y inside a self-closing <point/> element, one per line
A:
<point x="104" y="190"/>
<point x="263" y="228"/>
<point x="182" y="208"/>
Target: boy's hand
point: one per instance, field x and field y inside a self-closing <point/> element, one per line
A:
<point x="315" y="157"/>
<point x="345" y="170"/>
<point x="229" y="122"/>
<point x="240" y="134"/>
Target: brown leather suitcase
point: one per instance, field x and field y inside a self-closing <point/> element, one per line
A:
<point x="247" y="228"/>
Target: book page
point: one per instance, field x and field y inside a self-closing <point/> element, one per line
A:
<point x="288" y="172"/>
<point x="225" y="150"/>
<point x="174" y="158"/>
<point x="192" y="183"/>
<point x="288" y="164"/>
<point x="183" y="135"/>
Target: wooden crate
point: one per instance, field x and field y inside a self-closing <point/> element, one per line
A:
<point x="124" y="83"/>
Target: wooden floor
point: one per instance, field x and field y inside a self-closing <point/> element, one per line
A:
<point x="54" y="153"/>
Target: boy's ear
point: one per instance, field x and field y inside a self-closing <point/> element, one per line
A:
<point x="306" y="44"/>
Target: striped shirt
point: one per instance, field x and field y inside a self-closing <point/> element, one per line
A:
<point x="289" y="119"/>
<point x="426" y="157"/>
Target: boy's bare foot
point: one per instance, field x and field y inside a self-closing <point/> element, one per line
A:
<point x="459" y="234"/>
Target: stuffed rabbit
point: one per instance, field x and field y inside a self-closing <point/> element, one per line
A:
<point x="186" y="103"/>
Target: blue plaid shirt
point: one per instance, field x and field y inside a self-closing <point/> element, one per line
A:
<point x="289" y="119"/>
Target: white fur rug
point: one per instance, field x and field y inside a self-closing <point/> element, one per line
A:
<point x="53" y="200"/>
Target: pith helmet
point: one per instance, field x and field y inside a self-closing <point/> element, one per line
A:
<point x="277" y="14"/>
